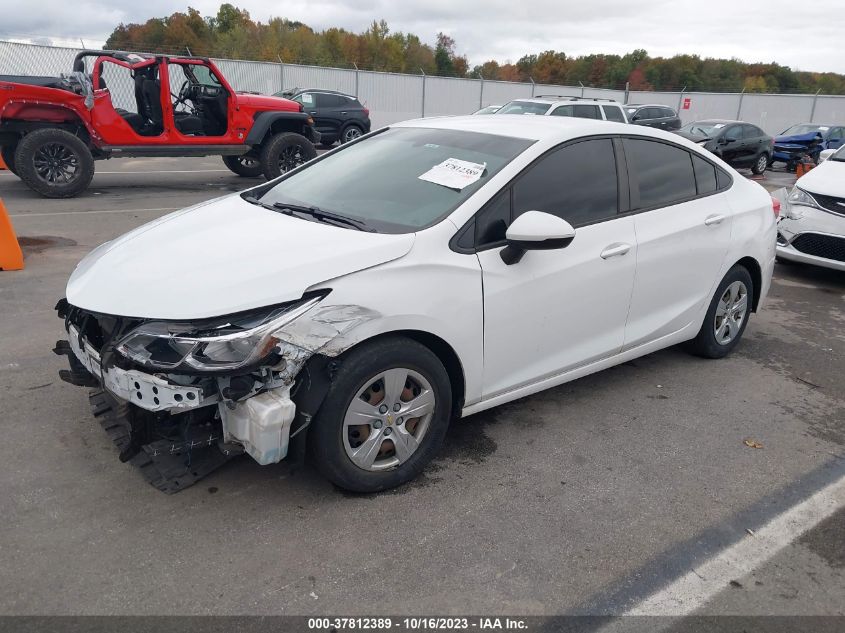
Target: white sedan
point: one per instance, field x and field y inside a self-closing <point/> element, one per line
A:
<point x="426" y="271"/>
<point x="812" y="229"/>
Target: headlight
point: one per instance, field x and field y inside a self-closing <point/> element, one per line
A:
<point x="219" y="344"/>
<point x="799" y="198"/>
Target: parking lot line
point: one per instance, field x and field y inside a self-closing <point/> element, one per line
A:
<point x="31" y="215"/>
<point x="694" y="589"/>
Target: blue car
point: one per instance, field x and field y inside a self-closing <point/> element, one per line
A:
<point x="806" y="138"/>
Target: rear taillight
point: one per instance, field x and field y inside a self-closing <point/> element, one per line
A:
<point x="776" y="206"/>
<point x="366" y="112"/>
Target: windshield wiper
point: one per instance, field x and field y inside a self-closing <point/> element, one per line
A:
<point x="320" y="215"/>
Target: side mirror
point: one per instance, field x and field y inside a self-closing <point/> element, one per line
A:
<point x="536" y="230"/>
<point x="636" y="117"/>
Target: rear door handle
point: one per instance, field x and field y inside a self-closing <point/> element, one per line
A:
<point x="714" y="219"/>
<point x="615" y="250"/>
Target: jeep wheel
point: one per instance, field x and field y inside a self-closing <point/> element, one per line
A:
<point x="54" y="163"/>
<point x="284" y="152"/>
<point x="245" y="166"/>
<point x="8" y="154"/>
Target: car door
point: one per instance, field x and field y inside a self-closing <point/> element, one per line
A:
<point x="557" y="309"/>
<point x="329" y="119"/>
<point x="731" y="143"/>
<point x="314" y="106"/>
<point x="836" y="138"/>
<point x="683" y="227"/>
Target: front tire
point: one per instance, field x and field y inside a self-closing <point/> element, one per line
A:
<point x="727" y="315"/>
<point x="284" y="152"/>
<point x="245" y="166"/>
<point x="54" y="163"/>
<point x="384" y="417"/>
<point x="761" y="163"/>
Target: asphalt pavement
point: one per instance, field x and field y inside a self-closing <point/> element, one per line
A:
<point x="586" y="498"/>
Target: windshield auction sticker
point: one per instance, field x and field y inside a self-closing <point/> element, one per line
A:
<point x="454" y="173"/>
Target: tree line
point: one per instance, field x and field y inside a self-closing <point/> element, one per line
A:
<point x="233" y="34"/>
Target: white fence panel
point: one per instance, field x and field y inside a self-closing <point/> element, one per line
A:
<point x="671" y="99"/>
<point x="500" y="92"/>
<point x="775" y="113"/>
<point x="601" y="93"/>
<point x="261" y="77"/>
<point x="830" y="110"/>
<point x="390" y="97"/>
<point x="449" y="96"/>
<point x="32" y="59"/>
<point x="319" y="77"/>
<point x="551" y="89"/>
<point x="709" y="106"/>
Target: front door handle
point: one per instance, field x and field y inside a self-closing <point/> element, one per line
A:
<point x="615" y="250"/>
<point x="714" y="219"/>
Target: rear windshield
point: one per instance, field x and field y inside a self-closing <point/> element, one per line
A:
<point x="704" y="129"/>
<point x="524" y="107"/>
<point x="377" y="180"/>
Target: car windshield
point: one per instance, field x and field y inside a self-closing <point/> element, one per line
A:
<point x="376" y="181"/>
<point x="524" y="107"/>
<point x="795" y="130"/>
<point x="704" y="129"/>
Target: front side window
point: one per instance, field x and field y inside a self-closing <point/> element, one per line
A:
<point x="664" y="173"/>
<point x="376" y="181"/>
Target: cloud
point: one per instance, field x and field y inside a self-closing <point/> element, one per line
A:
<point x="505" y="30"/>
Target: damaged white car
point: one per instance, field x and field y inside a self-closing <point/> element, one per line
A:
<point x="427" y="271"/>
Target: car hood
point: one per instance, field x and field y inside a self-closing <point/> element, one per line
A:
<point x="797" y="139"/>
<point x="828" y="179"/>
<point x="221" y="257"/>
<point x="265" y="102"/>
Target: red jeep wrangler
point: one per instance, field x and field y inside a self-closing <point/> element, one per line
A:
<point x="52" y="129"/>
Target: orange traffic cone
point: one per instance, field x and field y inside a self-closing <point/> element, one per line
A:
<point x="11" y="257"/>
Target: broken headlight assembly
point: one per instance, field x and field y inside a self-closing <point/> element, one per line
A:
<point x="221" y="344"/>
<point x="800" y="198"/>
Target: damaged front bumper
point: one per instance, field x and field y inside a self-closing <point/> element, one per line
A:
<point x="180" y="426"/>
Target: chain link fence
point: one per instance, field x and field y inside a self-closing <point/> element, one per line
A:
<point x="393" y="97"/>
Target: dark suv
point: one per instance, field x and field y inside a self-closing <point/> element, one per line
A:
<point x="337" y="116"/>
<point x="653" y="115"/>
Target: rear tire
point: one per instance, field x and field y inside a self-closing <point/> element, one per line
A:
<point x="761" y="163"/>
<point x="284" y="152"/>
<point x="350" y="133"/>
<point x="8" y="154"/>
<point x="339" y="449"/>
<point x="727" y="315"/>
<point x="244" y="166"/>
<point x="54" y="163"/>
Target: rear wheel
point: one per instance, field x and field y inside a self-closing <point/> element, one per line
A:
<point x="760" y="164"/>
<point x="245" y="166"/>
<point x="284" y="152"/>
<point x="54" y="163"/>
<point x="350" y="133"/>
<point x="384" y="417"/>
<point x="8" y="154"/>
<point x="727" y="315"/>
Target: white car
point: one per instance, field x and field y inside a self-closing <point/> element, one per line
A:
<point x="426" y="271"/>
<point x="557" y="105"/>
<point x="812" y="228"/>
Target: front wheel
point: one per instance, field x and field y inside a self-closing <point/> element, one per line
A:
<point x="760" y="164"/>
<point x="245" y="166"/>
<point x="727" y="315"/>
<point x="284" y="152"/>
<point x="54" y="163"/>
<point x="384" y="418"/>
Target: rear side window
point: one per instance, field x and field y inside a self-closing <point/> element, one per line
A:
<point x="580" y="111"/>
<point x="664" y="173"/>
<point x="612" y="113"/>
<point x="577" y="183"/>
<point x="668" y="112"/>
<point x="330" y="101"/>
<point x="705" y="175"/>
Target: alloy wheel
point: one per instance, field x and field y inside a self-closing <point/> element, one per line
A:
<point x="762" y="163"/>
<point x="292" y="157"/>
<point x="387" y="419"/>
<point x="351" y="133"/>
<point x="730" y="313"/>
<point x="56" y="163"/>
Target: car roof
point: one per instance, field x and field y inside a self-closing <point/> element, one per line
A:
<point x="564" y="99"/>
<point x="536" y="128"/>
<point x="331" y="92"/>
<point x="719" y="121"/>
<point x="647" y="105"/>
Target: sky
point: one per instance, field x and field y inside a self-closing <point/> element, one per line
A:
<point x="802" y="35"/>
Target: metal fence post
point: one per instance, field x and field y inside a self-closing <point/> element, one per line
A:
<point x="481" y="92"/>
<point x="423" y="94"/>
<point x="681" y="98"/>
<point x="627" y="91"/>
<point x="739" y="107"/>
<point x="533" y="86"/>
<point x="356" y="79"/>
<point x="281" y="73"/>
<point x="582" y="89"/>
<point x="813" y="109"/>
